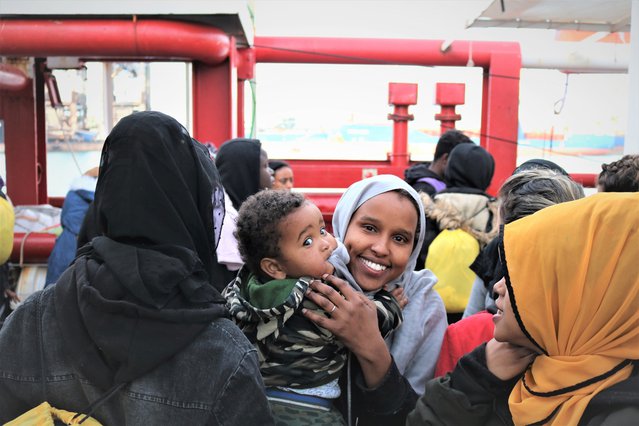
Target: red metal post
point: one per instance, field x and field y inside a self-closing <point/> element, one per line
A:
<point x="245" y="71"/>
<point x="214" y="100"/>
<point x="401" y="95"/>
<point x="501" y="96"/>
<point x="23" y="114"/>
<point x="449" y="95"/>
<point x="41" y="130"/>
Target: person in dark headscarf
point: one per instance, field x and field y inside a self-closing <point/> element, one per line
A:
<point x="244" y="169"/>
<point x="134" y="331"/>
<point x="462" y="219"/>
<point x="540" y="163"/>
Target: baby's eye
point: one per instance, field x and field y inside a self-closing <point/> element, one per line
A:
<point x="323" y="231"/>
<point x="308" y="241"/>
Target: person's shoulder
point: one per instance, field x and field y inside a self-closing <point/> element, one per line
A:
<point x="225" y="331"/>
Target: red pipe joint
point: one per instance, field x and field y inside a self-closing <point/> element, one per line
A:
<point x="401" y="95"/>
<point x="449" y="95"/>
<point x="12" y="78"/>
<point x="101" y="38"/>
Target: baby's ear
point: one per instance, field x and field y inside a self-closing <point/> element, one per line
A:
<point x="272" y="268"/>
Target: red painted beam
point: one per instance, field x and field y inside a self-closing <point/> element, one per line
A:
<point x="101" y="38"/>
<point x="376" y="51"/>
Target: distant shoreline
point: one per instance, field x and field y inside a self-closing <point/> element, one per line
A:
<point x="71" y="146"/>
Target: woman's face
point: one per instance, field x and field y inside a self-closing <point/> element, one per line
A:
<point x="506" y="326"/>
<point x="380" y="238"/>
<point x="283" y="178"/>
<point x="266" y="173"/>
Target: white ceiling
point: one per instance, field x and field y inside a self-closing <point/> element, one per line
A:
<point x="586" y="15"/>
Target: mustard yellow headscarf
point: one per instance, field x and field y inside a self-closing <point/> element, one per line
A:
<point x="573" y="281"/>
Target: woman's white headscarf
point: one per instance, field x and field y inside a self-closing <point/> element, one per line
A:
<point x="356" y="195"/>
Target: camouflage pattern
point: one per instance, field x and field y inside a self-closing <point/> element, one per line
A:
<point x="293" y="351"/>
<point x="286" y="414"/>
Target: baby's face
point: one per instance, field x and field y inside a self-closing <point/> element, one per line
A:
<point x="305" y="245"/>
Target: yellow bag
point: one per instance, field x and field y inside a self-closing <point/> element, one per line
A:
<point x="7" y="219"/>
<point x="449" y="257"/>
<point x="45" y="415"/>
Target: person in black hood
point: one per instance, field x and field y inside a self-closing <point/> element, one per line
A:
<point x="244" y="169"/>
<point x="134" y="331"/>
<point x="472" y="215"/>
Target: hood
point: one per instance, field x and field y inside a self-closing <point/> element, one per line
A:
<point x="418" y="171"/>
<point x="126" y="310"/>
<point x="238" y="162"/>
<point x="469" y="166"/>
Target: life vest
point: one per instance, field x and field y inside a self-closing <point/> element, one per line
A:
<point x="7" y="219"/>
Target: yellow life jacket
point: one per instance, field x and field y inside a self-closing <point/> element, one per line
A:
<point x="7" y="219"/>
<point x="449" y="257"/>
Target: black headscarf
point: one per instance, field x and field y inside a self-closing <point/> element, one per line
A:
<point x="238" y="162"/>
<point x="469" y="166"/>
<point x="540" y="163"/>
<point x="143" y="289"/>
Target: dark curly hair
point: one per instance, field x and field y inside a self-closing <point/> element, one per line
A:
<point x="448" y="141"/>
<point x="258" y="223"/>
<point x="621" y="175"/>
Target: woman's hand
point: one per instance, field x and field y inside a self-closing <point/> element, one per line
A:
<point x="506" y="360"/>
<point x="352" y="317"/>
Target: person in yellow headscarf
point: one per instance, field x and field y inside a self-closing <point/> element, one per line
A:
<point x="566" y="344"/>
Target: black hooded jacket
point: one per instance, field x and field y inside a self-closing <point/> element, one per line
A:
<point x="143" y="289"/>
<point x="469" y="170"/>
<point x="152" y="268"/>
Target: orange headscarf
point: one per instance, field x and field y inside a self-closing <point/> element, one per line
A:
<point x="573" y="281"/>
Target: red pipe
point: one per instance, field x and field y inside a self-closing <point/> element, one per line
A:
<point x="113" y="38"/>
<point x="12" y="78"/>
<point x="377" y="51"/>
<point x="36" y="247"/>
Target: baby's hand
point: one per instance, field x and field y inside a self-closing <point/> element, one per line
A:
<point x="398" y="293"/>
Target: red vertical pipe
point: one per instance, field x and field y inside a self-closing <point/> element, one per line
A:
<point x="240" y="108"/>
<point x="245" y="71"/>
<point x="18" y="111"/>
<point x="401" y="95"/>
<point x="399" y="157"/>
<point x="502" y="110"/>
<point x="41" y="131"/>
<point x="214" y="95"/>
